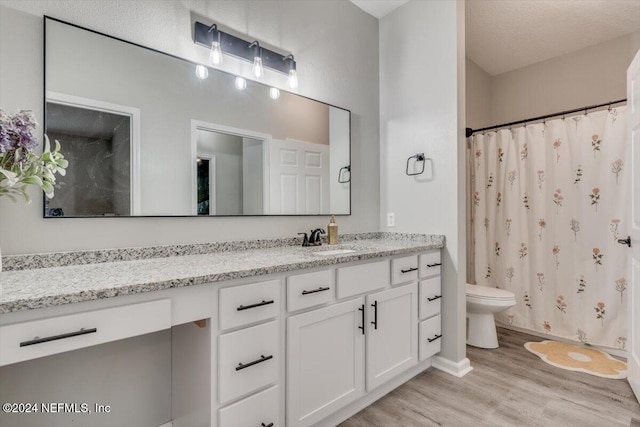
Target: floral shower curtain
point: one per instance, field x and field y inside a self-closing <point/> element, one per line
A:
<point x="549" y="203"/>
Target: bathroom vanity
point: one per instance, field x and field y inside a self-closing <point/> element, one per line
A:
<point x="263" y="333"/>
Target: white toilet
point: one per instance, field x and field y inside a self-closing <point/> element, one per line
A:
<point x="482" y="303"/>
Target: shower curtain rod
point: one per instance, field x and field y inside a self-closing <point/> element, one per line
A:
<point x="470" y="131"/>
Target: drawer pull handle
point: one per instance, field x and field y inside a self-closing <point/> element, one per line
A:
<point x="362" y="310"/>
<point x="37" y="340"/>
<point x="320" y="289"/>
<point x="435" y="264"/>
<point x="255" y="362"/>
<point x="266" y="425"/>
<point x="409" y="270"/>
<point x="375" y="314"/>
<point x="434" y="298"/>
<point x="259" y="304"/>
<point x="434" y="338"/>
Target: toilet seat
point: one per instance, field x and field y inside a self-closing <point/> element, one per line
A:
<point x="477" y="292"/>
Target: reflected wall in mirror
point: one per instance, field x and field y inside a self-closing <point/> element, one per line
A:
<point x="146" y="136"/>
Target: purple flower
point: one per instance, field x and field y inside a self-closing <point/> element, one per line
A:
<point x="17" y="131"/>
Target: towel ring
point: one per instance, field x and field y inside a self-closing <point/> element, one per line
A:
<point x="347" y="170"/>
<point x="419" y="158"/>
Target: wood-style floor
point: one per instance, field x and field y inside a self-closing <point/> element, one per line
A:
<point x="508" y="387"/>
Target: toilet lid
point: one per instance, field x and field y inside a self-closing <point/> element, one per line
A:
<point x="487" y="292"/>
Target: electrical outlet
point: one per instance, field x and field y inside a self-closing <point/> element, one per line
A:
<point x="391" y="219"/>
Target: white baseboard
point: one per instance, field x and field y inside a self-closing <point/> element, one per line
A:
<point x="457" y="369"/>
<point x="169" y="424"/>
<point x="612" y="351"/>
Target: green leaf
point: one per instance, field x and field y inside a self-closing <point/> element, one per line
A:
<point x="32" y="180"/>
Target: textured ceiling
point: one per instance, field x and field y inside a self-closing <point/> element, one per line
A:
<point x="503" y="35"/>
<point x="378" y="8"/>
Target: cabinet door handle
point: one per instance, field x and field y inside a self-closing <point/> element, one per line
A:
<point x="320" y="289"/>
<point x="37" y="340"/>
<point x="435" y="264"/>
<point x="255" y="362"/>
<point x="362" y="310"/>
<point x="434" y="298"/>
<point x="259" y="304"/>
<point x="375" y="314"/>
<point x="409" y="270"/>
<point x="434" y="338"/>
<point x="266" y="425"/>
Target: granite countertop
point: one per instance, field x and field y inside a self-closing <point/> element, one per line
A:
<point x="32" y="288"/>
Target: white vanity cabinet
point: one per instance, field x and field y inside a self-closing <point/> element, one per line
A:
<point x="309" y="347"/>
<point x="342" y="352"/>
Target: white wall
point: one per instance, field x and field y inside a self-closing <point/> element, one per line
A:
<point x="593" y="75"/>
<point x="253" y="156"/>
<point x="338" y="158"/>
<point x="133" y="376"/>
<point x="314" y="31"/>
<point x="478" y="96"/>
<point x="421" y="99"/>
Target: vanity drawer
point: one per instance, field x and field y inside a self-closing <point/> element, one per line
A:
<point x="430" y="297"/>
<point x="430" y="337"/>
<point x="248" y="360"/>
<point x="261" y="409"/>
<point x="358" y="279"/>
<point x="242" y="305"/>
<point x="404" y="269"/>
<point x="39" y="338"/>
<point x="310" y="289"/>
<point x="430" y="264"/>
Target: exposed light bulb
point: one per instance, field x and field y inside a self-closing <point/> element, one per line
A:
<point x="215" y="55"/>
<point x="257" y="68"/>
<point x="241" y="84"/>
<point x="274" y="93"/>
<point x="202" y="72"/>
<point x="293" y="79"/>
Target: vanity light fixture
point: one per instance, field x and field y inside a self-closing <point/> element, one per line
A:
<point x="241" y="84"/>
<point x="202" y="72"/>
<point x="274" y="93"/>
<point x="293" y="74"/>
<point x="215" y="54"/>
<point x="220" y="42"/>
<point x="257" y="69"/>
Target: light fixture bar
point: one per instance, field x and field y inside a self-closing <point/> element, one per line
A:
<point x="235" y="46"/>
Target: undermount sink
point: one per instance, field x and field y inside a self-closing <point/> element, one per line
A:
<point x="335" y="252"/>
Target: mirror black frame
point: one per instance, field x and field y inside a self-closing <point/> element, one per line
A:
<point x="44" y="127"/>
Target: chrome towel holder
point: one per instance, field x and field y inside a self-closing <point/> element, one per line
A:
<point x="420" y="158"/>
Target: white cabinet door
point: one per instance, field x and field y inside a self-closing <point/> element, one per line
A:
<point x="391" y="333"/>
<point x="325" y="361"/>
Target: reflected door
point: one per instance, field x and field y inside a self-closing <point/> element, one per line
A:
<point x="298" y="178"/>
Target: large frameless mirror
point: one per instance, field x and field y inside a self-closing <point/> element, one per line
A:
<point x="150" y="134"/>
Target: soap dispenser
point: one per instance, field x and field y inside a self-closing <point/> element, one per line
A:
<point x="332" y="228"/>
